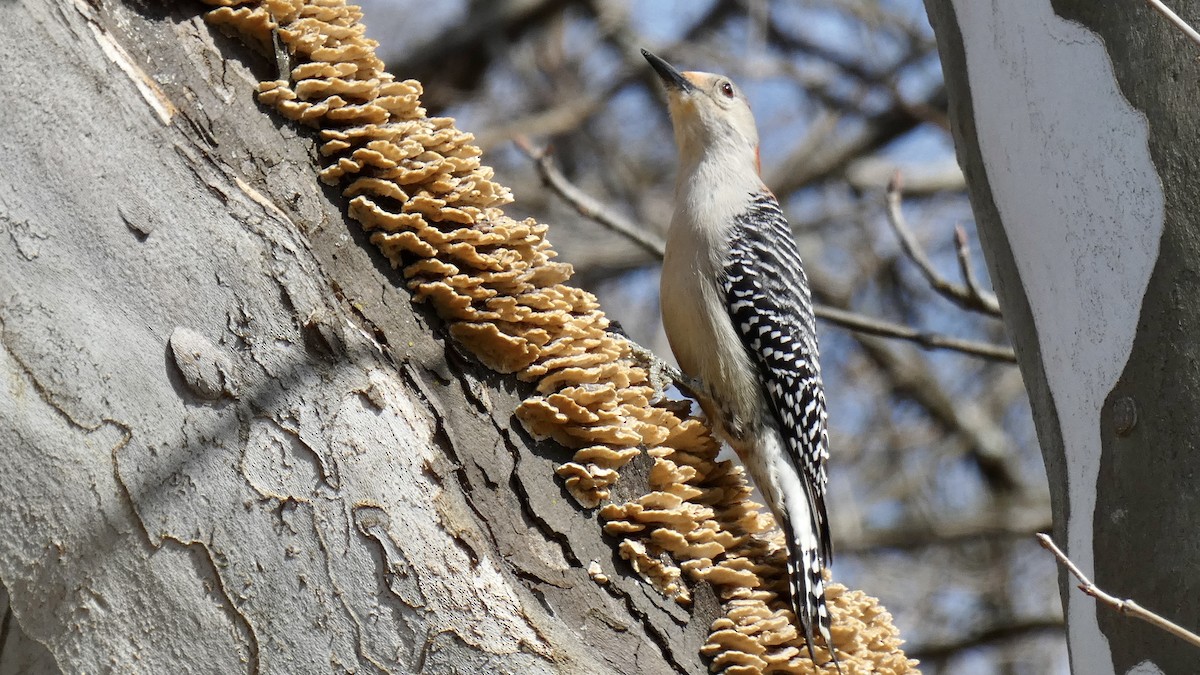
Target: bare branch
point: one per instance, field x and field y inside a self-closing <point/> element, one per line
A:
<point x="590" y="208"/>
<point x="874" y="172"/>
<point x="1122" y="606"/>
<point x="872" y="326"/>
<point x="910" y="378"/>
<point x="993" y="635"/>
<point x="799" y="170"/>
<point x="1174" y="18"/>
<point x="556" y="120"/>
<point x="968" y="270"/>
<point x="971" y="296"/>
<point x="584" y="204"/>
<point x="1017" y="522"/>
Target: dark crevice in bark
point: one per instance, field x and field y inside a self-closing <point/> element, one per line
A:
<point x="661" y="640"/>
<point x="239" y="619"/>
<point x="531" y="515"/>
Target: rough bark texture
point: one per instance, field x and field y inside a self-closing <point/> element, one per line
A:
<point x="229" y="443"/>
<point x="1074" y="123"/>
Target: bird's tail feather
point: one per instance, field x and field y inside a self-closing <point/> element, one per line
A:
<point x="805" y="581"/>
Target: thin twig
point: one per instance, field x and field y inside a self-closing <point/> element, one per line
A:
<point x="584" y="204"/>
<point x="1122" y="606"/>
<point x="799" y="170"/>
<point x="1174" y="18"/>
<point x="872" y="326"/>
<point x="971" y="296"/>
<point x="589" y="208"/>
<point x="1020" y="519"/>
<point x="991" y="636"/>
<point x="967" y="269"/>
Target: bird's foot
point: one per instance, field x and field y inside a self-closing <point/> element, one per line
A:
<point x="663" y="375"/>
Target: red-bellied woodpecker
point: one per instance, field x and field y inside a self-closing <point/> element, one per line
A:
<point x="738" y="314"/>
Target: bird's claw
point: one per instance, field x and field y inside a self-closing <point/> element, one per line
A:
<point x="662" y="374"/>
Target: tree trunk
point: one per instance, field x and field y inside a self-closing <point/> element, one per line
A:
<point x="1075" y="126"/>
<point x="229" y="442"/>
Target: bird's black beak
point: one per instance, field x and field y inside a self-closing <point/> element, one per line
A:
<point x="670" y="77"/>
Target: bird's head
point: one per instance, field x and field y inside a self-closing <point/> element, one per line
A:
<point x="709" y="113"/>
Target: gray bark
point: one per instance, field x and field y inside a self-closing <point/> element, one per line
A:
<point x="1075" y="127"/>
<point x="228" y="442"/>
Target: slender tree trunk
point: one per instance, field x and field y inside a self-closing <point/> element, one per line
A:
<point x="227" y="441"/>
<point x="1075" y="125"/>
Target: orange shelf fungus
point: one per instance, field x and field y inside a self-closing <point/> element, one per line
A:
<point x="418" y="186"/>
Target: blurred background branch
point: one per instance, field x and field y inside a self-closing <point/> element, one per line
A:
<point x="936" y="478"/>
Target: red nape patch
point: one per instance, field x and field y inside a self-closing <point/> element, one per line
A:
<point x="757" y="161"/>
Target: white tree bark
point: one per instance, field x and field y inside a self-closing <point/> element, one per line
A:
<point x="1071" y="119"/>
<point x="227" y="442"/>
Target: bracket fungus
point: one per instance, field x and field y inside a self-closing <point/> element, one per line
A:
<point x="417" y="184"/>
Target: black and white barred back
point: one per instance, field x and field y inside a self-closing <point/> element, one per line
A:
<point x="770" y="305"/>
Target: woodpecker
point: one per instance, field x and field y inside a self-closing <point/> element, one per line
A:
<point x="738" y="314"/>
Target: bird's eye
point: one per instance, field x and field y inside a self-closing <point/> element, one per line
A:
<point x="727" y="89"/>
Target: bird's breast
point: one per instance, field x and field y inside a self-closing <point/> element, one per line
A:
<point x="701" y="334"/>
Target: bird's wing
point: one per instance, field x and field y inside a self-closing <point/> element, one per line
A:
<point x="770" y="306"/>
